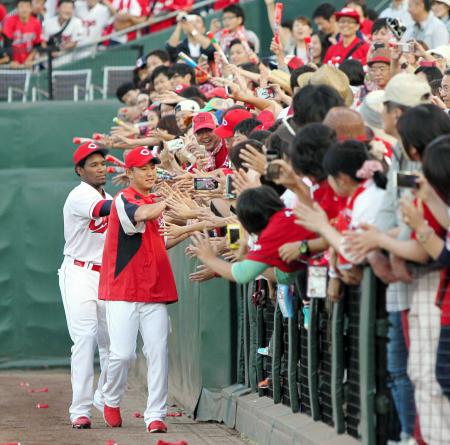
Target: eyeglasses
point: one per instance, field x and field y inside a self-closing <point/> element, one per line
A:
<point x="379" y="69"/>
<point x="227" y="18"/>
<point x="445" y="89"/>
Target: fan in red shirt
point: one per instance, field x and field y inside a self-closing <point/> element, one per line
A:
<point x="22" y="34"/>
<point x="204" y="125"/>
<point x="350" y="46"/>
<point x="261" y="213"/>
<point x="137" y="282"/>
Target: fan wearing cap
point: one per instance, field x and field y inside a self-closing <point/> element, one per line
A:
<point x="380" y="67"/>
<point x="204" y="125"/>
<point x="184" y="112"/>
<point x="349" y="45"/>
<point x="230" y="119"/>
<point x="85" y="213"/>
<point x="137" y="283"/>
<point x="140" y="71"/>
<point x="360" y="6"/>
<point x="441" y="9"/>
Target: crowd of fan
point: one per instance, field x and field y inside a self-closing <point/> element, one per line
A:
<point x="334" y="153"/>
<point x="64" y="25"/>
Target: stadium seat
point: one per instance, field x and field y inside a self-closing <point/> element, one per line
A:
<point x="14" y="85"/>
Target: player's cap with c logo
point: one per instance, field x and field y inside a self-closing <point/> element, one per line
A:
<point x="87" y="149"/>
<point x="140" y="156"/>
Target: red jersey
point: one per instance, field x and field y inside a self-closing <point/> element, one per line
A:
<point x="326" y="197"/>
<point x="280" y="230"/>
<point x="338" y="53"/>
<point x="25" y="36"/>
<point x="135" y="265"/>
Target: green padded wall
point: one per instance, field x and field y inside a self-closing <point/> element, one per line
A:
<point x="36" y="175"/>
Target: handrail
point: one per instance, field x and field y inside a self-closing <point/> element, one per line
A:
<point x="138" y="27"/>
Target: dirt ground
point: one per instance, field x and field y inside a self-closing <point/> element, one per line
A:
<point x="21" y="421"/>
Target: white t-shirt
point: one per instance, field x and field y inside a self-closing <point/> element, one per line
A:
<point x="367" y="205"/>
<point x="84" y="235"/>
<point x="74" y="32"/>
<point x="289" y="199"/>
<point x="131" y="7"/>
<point x="94" y="19"/>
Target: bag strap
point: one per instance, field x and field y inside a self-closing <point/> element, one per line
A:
<point x="349" y="54"/>
<point x="59" y="33"/>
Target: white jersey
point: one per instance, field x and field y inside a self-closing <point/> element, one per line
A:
<point x="74" y="31"/>
<point x="131" y="7"/>
<point x="84" y="235"/>
<point x="94" y="19"/>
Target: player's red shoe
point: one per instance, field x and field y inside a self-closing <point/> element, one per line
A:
<point x="112" y="416"/>
<point x="157" y="426"/>
<point x="81" y="423"/>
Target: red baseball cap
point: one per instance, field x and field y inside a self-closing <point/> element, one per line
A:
<point x="217" y="92"/>
<point x="348" y="12"/>
<point x="380" y="55"/>
<point x="267" y="118"/>
<point x="140" y="156"/>
<point x="204" y="120"/>
<point x="229" y="122"/>
<point x="87" y="149"/>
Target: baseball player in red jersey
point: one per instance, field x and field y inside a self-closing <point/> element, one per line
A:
<point x="137" y="283"/>
<point x="86" y="213"/>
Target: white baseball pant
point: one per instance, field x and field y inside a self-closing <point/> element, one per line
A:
<point x="86" y="321"/>
<point x="124" y="320"/>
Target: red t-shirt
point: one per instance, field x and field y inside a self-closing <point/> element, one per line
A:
<point x="135" y="264"/>
<point x="338" y="53"/>
<point x="280" y="230"/>
<point x="24" y="36"/>
<point x="331" y="203"/>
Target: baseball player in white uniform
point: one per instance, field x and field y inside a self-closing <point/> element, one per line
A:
<point x="86" y="213"/>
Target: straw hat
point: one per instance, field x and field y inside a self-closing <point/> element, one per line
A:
<point x="281" y="78"/>
<point x="335" y="78"/>
<point x="304" y="79"/>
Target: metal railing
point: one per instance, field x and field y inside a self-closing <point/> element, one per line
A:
<point x="326" y="361"/>
<point x="42" y="78"/>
